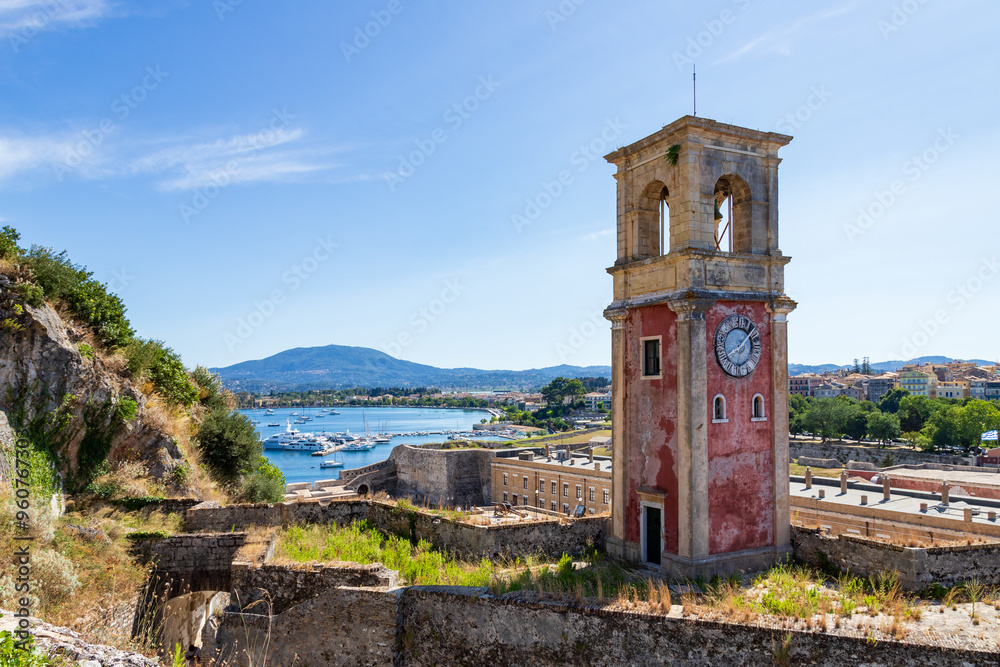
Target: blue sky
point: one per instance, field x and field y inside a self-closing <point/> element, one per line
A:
<point x="255" y="176"/>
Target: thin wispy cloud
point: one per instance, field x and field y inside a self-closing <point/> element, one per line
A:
<point x="181" y="163"/>
<point x="33" y="15"/>
<point x="597" y="236"/>
<point x="19" y="154"/>
<point x="780" y="39"/>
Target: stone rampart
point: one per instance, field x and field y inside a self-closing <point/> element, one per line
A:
<point x="342" y="626"/>
<point x="551" y="537"/>
<point x="445" y="626"/>
<point x="918" y="567"/>
<point x="443" y="478"/>
<point x="276" y="588"/>
<point x="879" y="456"/>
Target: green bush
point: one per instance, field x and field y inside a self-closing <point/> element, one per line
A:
<point x="12" y="655"/>
<point x="8" y="243"/>
<point x="135" y="503"/>
<point x="151" y="360"/>
<point x="147" y="535"/>
<point x="230" y="444"/>
<point x="264" y="485"/>
<point x="88" y="299"/>
<point x="211" y="392"/>
<point x="86" y="351"/>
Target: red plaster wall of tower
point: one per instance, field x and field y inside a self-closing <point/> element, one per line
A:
<point x="651" y="419"/>
<point x="740" y="461"/>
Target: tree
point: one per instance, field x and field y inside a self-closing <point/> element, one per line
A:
<point x="230" y="444"/>
<point x="798" y="407"/>
<point x="890" y="400"/>
<point x="557" y="390"/>
<point x="883" y="426"/>
<point x="856" y="423"/>
<point x="974" y="419"/>
<point x="914" y="411"/>
<point x="827" y="417"/>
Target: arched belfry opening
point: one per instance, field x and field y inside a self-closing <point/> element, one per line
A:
<point x="653" y="221"/>
<point x="733" y="215"/>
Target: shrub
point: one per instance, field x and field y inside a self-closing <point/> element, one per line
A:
<point x="88" y="299"/>
<point x="53" y="577"/>
<point x="8" y="243"/>
<point x="135" y="503"/>
<point x="230" y="444"/>
<point x="151" y="360"/>
<point x="86" y="351"/>
<point x="210" y="390"/>
<point x="12" y="655"/>
<point x="264" y="485"/>
<point x="137" y="535"/>
<point x="102" y="422"/>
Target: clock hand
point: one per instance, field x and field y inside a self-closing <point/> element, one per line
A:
<point x="742" y="343"/>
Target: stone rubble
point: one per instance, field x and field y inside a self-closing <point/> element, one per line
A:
<point x="57" y="641"/>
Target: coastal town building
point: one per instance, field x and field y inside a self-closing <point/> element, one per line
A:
<point x="699" y="351"/>
<point x="919" y="383"/>
<point x="597" y="399"/>
<point x="804" y="384"/>
<point x="557" y="481"/>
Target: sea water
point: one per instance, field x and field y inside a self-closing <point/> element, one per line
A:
<point x="301" y="466"/>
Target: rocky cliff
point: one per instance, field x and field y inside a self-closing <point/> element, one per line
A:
<point x="48" y="374"/>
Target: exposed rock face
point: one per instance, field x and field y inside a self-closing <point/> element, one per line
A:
<point x="56" y="641"/>
<point x="43" y="360"/>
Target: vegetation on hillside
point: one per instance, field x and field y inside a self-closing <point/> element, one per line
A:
<point x="183" y="403"/>
<point x="932" y="424"/>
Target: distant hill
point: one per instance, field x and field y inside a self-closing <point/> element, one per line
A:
<point x="340" y="366"/>
<point x="881" y="366"/>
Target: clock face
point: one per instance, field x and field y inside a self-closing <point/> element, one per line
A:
<point x="737" y="345"/>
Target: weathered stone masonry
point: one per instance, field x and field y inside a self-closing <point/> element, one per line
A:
<point x="549" y="538"/>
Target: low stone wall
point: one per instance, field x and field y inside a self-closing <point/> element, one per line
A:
<point x="819" y="463"/>
<point x="898" y="480"/>
<point x="343" y="626"/>
<point x="190" y="552"/>
<point x="550" y="537"/>
<point x="846" y="452"/>
<point x="276" y="588"/>
<point x="918" y="567"/>
<point x="445" y="626"/>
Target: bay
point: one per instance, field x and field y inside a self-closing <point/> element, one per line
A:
<point x="299" y="466"/>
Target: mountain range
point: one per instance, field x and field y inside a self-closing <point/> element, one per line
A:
<point x="341" y="366"/>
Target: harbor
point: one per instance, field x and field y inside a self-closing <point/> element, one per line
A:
<point x="308" y="444"/>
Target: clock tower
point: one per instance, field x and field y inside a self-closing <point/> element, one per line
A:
<point x="699" y="353"/>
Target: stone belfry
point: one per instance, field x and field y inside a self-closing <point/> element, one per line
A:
<point x="699" y="351"/>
